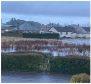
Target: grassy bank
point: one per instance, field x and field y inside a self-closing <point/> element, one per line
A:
<point x="40" y="62"/>
<point x="70" y="65"/>
<point x="22" y="62"/>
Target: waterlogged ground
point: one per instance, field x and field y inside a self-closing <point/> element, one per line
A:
<point x="26" y="77"/>
<point x="77" y="41"/>
<point x="21" y="77"/>
<point x="62" y="47"/>
<point x="70" y="41"/>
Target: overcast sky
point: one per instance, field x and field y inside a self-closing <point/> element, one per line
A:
<point x="46" y="8"/>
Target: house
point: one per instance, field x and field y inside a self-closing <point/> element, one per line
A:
<point x="71" y="31"/>
<point x="54" y="30"/>
<point x="6" y="28"/>
<point x="28" y="27"/>
<point x="81" y="32"/>
<point x="85" y="35"/>
<point x="44" y="30"/>
<point x="64" y="31"/>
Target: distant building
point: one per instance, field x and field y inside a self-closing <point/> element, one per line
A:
<point x="67" y="31"/>
<point x="83" y="35"/>
<point x="6" y="28"/>
<point x="28" y="27"/>
<point x="44" y="30"/>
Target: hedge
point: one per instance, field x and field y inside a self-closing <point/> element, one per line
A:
<point x="39" y="62"/>
<point x="21" y="62"/>
<point x="70" y="65"/>
<point x="41" y="35"/>
<point x="12" y="34"/>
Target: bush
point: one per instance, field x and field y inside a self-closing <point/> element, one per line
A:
<point x="21" y="62"/>
<point x="38" y="62"/>
<point x="80" y="78"/>
<point x="41" y="35"/>
<point x="70" y="65"/>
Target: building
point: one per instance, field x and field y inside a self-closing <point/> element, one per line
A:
<point x="83" y="35"/>
<point x="7" y="28"/>
<point x="28" y="27"/>
<point x="44" y="30"/>
<point x="71" y="31"/>
<point x="64" y="32"/>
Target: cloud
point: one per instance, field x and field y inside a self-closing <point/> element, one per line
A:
<point x="57" y="8"/>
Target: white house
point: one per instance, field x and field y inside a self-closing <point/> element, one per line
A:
<point x="44" y="30"/>
<point x="6" y="28"/>
<point x="53" y="30"/>
<point x="81" y="32"/>
<point x="86" y="35"/>
<point x="69" y="32"/>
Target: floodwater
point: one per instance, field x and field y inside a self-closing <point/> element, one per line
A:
<point x="27" y="77"/>
<point x="77" y="41"/>
<point x="61" y="52"/>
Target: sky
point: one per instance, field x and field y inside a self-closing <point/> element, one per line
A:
<point x="63" y="12"/>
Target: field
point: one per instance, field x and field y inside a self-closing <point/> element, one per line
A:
<point x="54" y="47"/>
<point x="52" y="56"/>
<point x="7" y="38"/>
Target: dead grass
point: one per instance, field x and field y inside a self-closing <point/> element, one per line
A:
<point x="7" y="38"/>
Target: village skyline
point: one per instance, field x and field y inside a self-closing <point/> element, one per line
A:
<point x="50" y="22"/>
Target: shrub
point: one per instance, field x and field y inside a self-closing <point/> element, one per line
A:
<point x="80" y="78"/>
<point x="37" y="62"/>
<point x="70" y="65"/>
<point x="21" y="62"/>
<point x="41" y="35"/>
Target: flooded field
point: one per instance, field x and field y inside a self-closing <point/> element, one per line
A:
<point x="63" y="47"/>
<point x="77" y="41"/>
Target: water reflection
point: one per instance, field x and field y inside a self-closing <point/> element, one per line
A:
<point x="26" y="77"/>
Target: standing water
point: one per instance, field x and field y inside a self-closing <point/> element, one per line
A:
<point x="27" y="77"/>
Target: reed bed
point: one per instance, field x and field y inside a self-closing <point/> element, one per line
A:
<point x="28" y="44"/>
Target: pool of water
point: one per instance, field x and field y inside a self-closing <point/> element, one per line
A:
<point x="27" y="77"/>
<point x="77" y="41"/>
